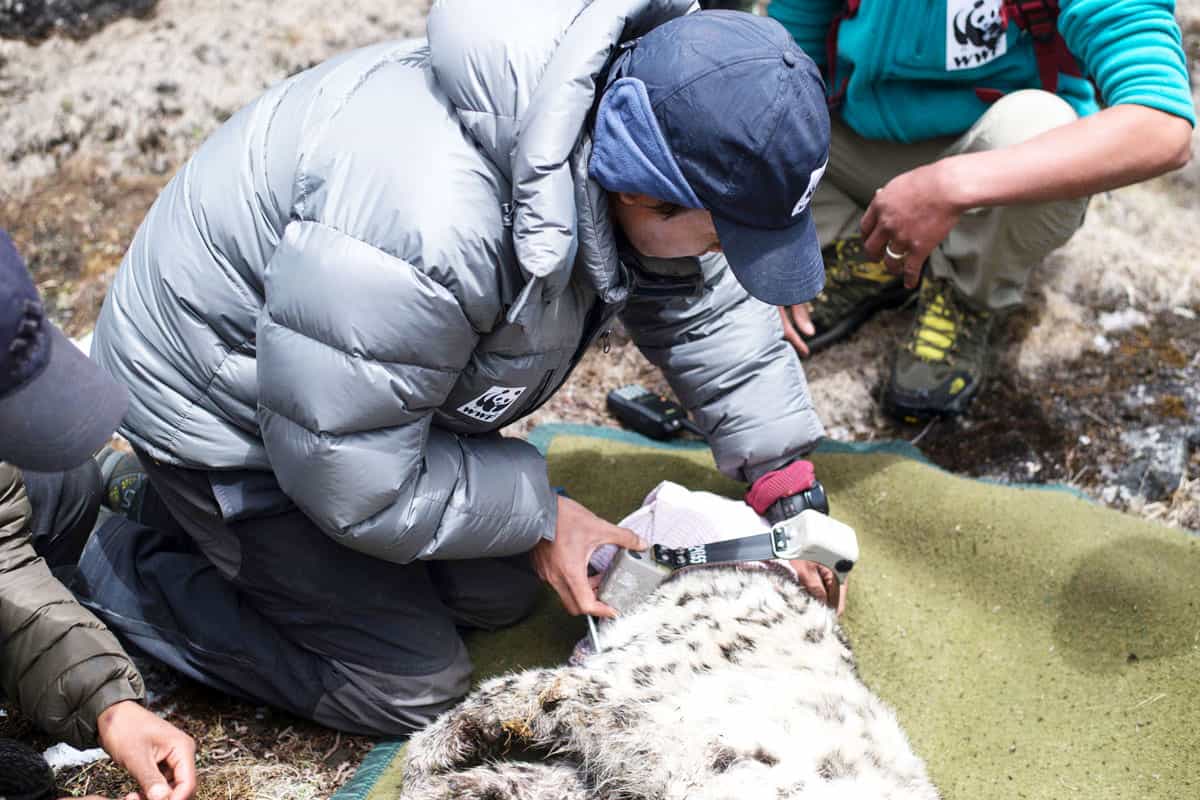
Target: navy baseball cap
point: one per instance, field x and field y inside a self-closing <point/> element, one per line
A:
<point x="56" y="406"/>
<point x="722" y="110"/>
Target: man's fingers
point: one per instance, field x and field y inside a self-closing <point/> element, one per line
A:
<point x="877" y="241"/>
<point x="841" y="603"/>
<point x="870" y="219"/>
<point x="598" y="609"/>
<point x="810" y="579"/>
<point x="785" y="317"/>
<point x="182" y="760"/>
<point x="814" y="587"/>
<point x="830" y="584"/>
<point x="585" y="600"/>
<point x="896" y="256"/>
<point x="579" y="597"/>
<point x="802" y="318"/>
<point x="623" y="537"/>
<point x="912" y="269"/>
<point x="791" y="334"/>
<point x="145" y="771"/>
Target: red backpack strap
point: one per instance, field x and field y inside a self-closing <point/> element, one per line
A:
<point x="837" y="92"/>
<point x="1039" y="18"/>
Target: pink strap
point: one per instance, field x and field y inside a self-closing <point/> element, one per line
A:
<point x="791" y="480"/>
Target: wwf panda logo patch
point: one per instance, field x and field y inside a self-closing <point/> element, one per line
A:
<point x="492" y="404"/>
<point x="975" y="33"/>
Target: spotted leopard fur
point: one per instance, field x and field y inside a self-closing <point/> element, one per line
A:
<point x="726" y="683"/>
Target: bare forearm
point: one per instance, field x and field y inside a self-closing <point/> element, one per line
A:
<point x="1117" y="147"/>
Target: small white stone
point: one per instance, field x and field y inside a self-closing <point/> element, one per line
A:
<point x="1102" y="345"/>
<point x="1123" y="320"/>
<point x="62" y="756"/>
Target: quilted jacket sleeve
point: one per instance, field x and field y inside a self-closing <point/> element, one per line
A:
<point x="57" y="661"/>
<point x="356" y="350"/>
<point x="724" y="355"/>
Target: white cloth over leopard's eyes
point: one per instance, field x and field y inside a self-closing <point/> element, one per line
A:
<point x="677" y="517"/>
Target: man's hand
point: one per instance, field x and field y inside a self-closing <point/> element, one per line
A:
<point x="797" y="323"/>
<point x="821" y="584"/>
<point x="159" y="756"/>
<point x="908" y="218"/>
<point x="563" y="562"/>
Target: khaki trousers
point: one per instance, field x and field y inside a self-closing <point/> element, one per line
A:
<point x="990" y="254"/>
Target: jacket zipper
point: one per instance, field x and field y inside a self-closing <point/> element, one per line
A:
<point x="606" y="315"/>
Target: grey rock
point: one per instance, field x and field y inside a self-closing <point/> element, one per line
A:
<point x="35" y="20"/>
<point x="1193" y="437"/>
<point x="1158" y="461"/>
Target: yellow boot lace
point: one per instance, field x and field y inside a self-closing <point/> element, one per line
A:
<point x="835" y="273"/>
<point x="847" y="266"/>
<point x="936" y="330"/>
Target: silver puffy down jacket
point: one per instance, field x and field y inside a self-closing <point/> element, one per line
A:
<point x="383" y="260"/>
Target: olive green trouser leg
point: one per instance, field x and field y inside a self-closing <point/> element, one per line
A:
<point x="989" y="255"/>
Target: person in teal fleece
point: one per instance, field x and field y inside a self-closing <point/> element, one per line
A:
<point x="960" y="160"/>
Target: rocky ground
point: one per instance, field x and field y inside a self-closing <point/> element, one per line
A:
<point x="101" y="100"/>
<point x="35" y="20"/>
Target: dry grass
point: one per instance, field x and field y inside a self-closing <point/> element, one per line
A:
<point x="243" y="752"/>
<point x="73" y="231"/>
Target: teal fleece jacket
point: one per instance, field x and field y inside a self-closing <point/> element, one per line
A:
<point x="911" y="67"/>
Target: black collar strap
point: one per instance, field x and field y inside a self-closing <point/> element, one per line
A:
<point x="809" y="536"/>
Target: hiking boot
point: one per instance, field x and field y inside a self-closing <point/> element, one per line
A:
<point x="941" y="364"/>
<point x="124" y="481"/>
<point x="856" y="287"/>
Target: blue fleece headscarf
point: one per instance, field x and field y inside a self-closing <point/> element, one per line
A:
<point x="629" y="153"/>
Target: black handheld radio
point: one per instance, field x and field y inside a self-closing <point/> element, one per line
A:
<point x="650" y="414"/>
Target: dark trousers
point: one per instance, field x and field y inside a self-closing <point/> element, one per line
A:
<point x="64" y="506"/>
<point x="269" y="608"/>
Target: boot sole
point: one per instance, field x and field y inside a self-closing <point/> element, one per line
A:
<point x="848" y="325"/>
<point x="907" y="409"/>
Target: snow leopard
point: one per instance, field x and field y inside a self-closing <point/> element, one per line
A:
<point x="727" y="682"/>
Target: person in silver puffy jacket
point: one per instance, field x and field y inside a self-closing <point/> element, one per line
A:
<point x="332" y="310"/>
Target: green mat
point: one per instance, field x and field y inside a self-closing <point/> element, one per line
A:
<point x="1034" y="645"/>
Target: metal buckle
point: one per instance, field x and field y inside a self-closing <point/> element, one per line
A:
<point x="781" y="540"/>
<point x="679" y="557"/>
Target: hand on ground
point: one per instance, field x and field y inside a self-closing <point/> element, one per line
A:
<point x="159" y="756"/>
<point x="797" y="323"/>
<point x="822" y="584"/>
<point x="911" y="215"/>
<point x="562" y="563"/>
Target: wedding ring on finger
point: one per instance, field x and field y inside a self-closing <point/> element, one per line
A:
<point x="892" y="254"/>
